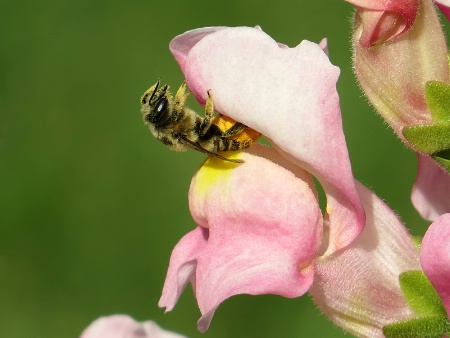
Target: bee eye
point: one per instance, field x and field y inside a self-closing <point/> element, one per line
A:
<point x="159" y="111"/>
<point x="161" y="106"/>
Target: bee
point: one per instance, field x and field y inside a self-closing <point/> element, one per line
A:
<point x="180" y="128"/>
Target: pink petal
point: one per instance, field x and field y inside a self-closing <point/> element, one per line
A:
<point x="385" y="19"/>
<point x="435" y="257"/>
<point x="405" y="7"/>
<point x="289" y="95"/>
<point x="264" y="228"/>
<point x="122" y="326"/>
<point x="431" y="191"/>
<point x="182" y="266"/>
<point x="379" y="27"/>
<point x="323" y="44"/>
<point x="358" y="288"/>
<point x="180" y="48"/>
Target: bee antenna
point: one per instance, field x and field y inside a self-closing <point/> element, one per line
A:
<point x="156" y="88"/>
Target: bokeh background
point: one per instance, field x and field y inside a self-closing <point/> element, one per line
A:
<point x="91" y="205"/>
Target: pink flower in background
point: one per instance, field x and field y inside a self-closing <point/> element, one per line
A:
<point x="123" y="326"/>
<point x="260" y="226"/>
<point x="393" y="75"/>
<point x="407" y="81"/>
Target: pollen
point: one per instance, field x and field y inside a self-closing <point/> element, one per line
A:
<point x="248" y="136"/>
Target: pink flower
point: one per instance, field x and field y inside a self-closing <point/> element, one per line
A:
<point x="260" y="226"/>
<point x="122" y="326"/>
<point x="358" y="288"/>
<point x="435" y="257"/>
<point x="406" y="79"/>
<point x="394" y="75"/>
<point x="384" y="20"/>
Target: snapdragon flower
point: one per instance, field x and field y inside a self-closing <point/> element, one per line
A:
<point x="400" y="59"/>
<point x="260" y="227"/>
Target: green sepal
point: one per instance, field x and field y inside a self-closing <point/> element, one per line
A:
<point x="422" y="298"/>
<point x="438" y="99"/>
<point x="422" y="327"/>
<point x="428" y="139"/>
<point x="420" y="295"/>
<point x="443" y="158"/>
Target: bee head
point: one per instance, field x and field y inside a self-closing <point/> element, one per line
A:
<point x="156" y="103"/>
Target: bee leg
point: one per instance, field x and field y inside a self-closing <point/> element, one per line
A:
<point x="209" y="111"/>
<point x="209" y="105"/>
<point x="181" y="97"/>
<point x="234" y="130"/>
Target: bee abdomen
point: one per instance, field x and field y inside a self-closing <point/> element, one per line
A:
<point x="225" y="144"/>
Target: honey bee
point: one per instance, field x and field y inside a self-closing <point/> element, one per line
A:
<point x="180" y="128"/>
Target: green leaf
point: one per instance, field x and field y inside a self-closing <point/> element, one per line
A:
<point x="443" y="158"/>
<point x="423" y="327"/>
<point x="420" y="295"/>
<point x="428" y="139"/>
<point x="438" y="99"/>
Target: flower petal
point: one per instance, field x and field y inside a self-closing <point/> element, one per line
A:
<point x="123" y="326"/>
<point x="287" y="94"/>
<point x="435" y="257"/>
<point x="379" y="27"/>
<point x="182" y="266"/>
<point x="431" y="191"/>
<point x="385" y="19"/>
<point x="358" y="288"/>
<point x="180" y="47"/>
<point x="264" y="228"/>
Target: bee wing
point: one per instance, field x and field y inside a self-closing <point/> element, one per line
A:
<point x="199" y="148"/>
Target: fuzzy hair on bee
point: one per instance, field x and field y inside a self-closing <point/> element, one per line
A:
<point x="178" y="127"/>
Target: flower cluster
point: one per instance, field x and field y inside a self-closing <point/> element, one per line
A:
<point x="260" y="227"/>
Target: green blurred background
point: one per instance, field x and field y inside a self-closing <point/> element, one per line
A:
<point x="91" y="205"/>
